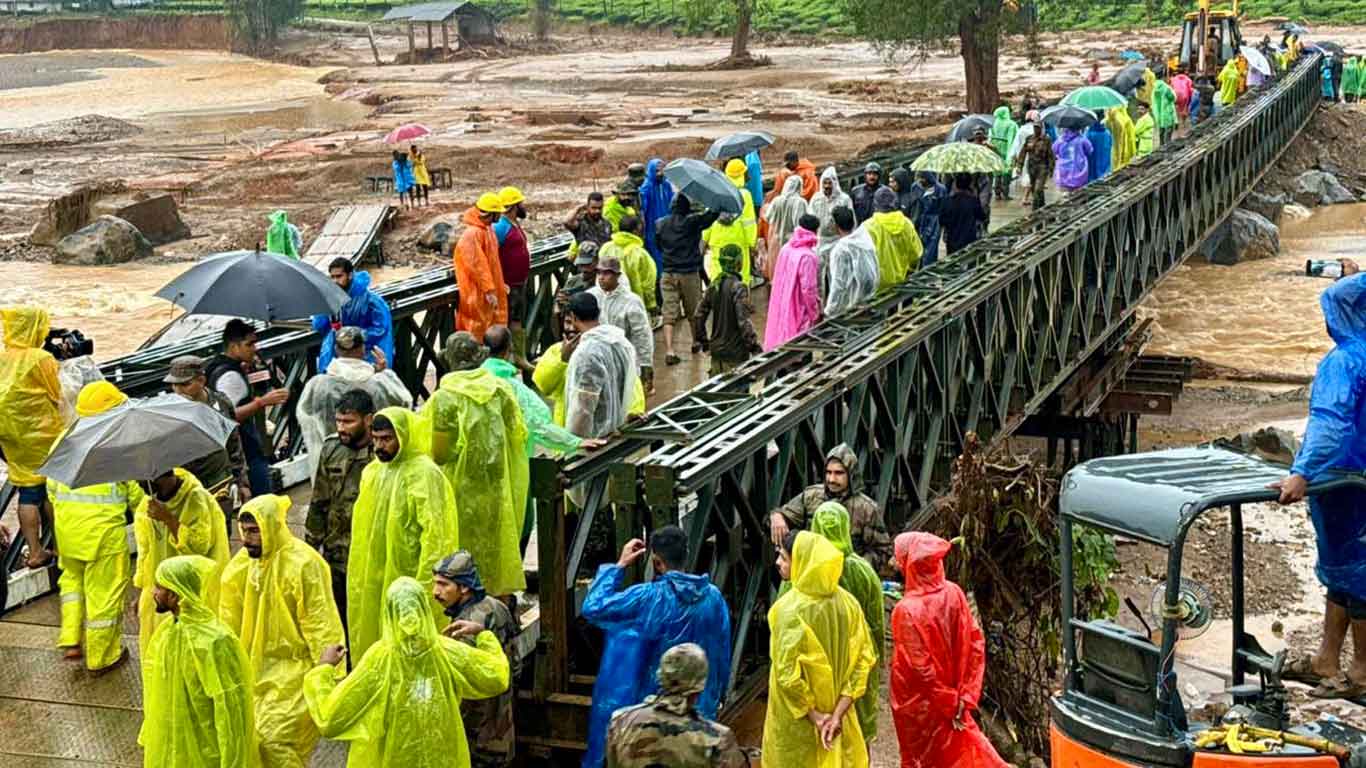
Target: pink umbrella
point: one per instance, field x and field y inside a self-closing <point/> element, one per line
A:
<point x="407" y="132"/>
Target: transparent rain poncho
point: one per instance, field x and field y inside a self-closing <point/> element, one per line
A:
<point x="599" y="382"/>
<point x="281" y="607"/>
<point x="478" y="438"/>
<point x="317" y="408"/>
<point x="400" y="706"/>
<point x="196" y="680"/>
<point x="854" y="272"/>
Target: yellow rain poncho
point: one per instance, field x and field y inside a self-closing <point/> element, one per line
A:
<point x="728" y="231"/>
<point x="858" y="578"/>
<point x="30" y="394"/>
<point x="92" y="550"/>
<point x="478" y="438"/>
<point x="404" y="521"/>
<point x="400" y="706"/>
<point x="203" y="531"/>
<point x="897" y="245"/>
<point x="281" y="607"/>
<point x="550" y="379"/>
<point x="636" y="262"/>
<point x="819" y="650"/>
<point x="1228" y="83"/>
<point x="196" y="680"/>
<point x="1125" y="140"/>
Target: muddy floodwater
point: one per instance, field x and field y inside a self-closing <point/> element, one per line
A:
<point x="1259" y="316"/>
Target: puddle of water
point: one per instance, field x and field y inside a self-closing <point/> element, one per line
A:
<point x="315" y="113"/>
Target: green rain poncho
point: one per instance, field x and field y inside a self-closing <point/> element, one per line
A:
<point x="400" y="706"/>
<point x="196" y="680"/>
<point x="478" y="438"/>
<point x="1351" y="76"/>
<point x="819" y="650"/>
<point x="1164" y="105"/>
<point x="1002" y="135"/>
<point x="636" y="262"/>
<point x="860" y="580"/>
<point x="541" y="428"/>
<point x="203" y="531"/>
<point x="403" y="523"/>
<point x="281" y="606"/>
<point x="279" y="237"/>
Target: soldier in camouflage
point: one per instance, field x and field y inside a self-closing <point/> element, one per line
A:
<point x="489" y="724"/>
<point x="842" y="484"/>
<point x="336" y="485"/>
<point x="667" y="730"/>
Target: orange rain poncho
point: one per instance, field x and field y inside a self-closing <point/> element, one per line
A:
<point x="478" y="272"/>
<point x="938" y="660"/>
<point x="30" y="394"/>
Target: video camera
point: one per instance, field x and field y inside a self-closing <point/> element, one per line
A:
<point x="65" y="344"/>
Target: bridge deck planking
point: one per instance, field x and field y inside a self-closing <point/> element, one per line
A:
<point x="348" y="233"/>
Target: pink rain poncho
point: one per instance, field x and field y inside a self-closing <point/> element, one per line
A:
<point x="1073" y="152"/>
<point x="795" y="302"/>
<point x="1184" y="87"/>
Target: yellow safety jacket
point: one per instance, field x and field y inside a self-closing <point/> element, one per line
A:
<point x="90" y="521"/>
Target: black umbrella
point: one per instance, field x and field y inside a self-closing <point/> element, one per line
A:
<point x="1068" y="116"/>
<point x="738" y="144"/>
<point x="140" y="440"/>
<point x="1329" y="46"/>
<point x="965" y="128"/>
<point x="703" y="184"/>
<point x="1292" y="28"/>
<point x="260" y="285"/>
<point x="1130" y="77"/>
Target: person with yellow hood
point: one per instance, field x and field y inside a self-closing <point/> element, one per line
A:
<point x="180" y="517"/>
<point x="860" y="580"/>
<point x="277" y="598"/>
<point x="196" y="678"/>
<point x="551" y="375"/>
<point x="820" y="656"/>
<point x="628" y="246"/>
<point x="400" y="706"/>
<point x="1228" y="83"/>
<point x="478" y="272"/>
<point x="729" y="229"/>
<point x="478" y="439"/>
<point x="895" y="240"/>
<point x="1145" y="132"/>
<point x="404" y="521"/>
<point x="1126" y="142"/>
<point x="92" y="552"/>
<point x="31" y="400"/>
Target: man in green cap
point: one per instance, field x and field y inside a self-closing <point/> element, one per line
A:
<point x="667" y="729"/>
<point x="489" y="725"/>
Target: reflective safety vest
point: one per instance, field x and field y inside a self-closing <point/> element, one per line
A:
<point x="90" y="521"/>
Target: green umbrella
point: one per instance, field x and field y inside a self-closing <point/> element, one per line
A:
<point x="1095" y="97"/>
<point x="959" y="157"/>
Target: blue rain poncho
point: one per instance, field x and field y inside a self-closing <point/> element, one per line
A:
<point x="364" y="310"/>
<point x="656" y="198"/>
<point x="640" y="624"/>
<point x="1102" y="148"/>
<point x="1335" y="438"/>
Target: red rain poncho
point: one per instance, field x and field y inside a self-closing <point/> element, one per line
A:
<point x="938" y="660"/>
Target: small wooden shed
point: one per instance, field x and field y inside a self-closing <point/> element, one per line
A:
<point x="473" y="25"/>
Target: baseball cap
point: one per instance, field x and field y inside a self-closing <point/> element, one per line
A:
<point x="184" y="368"/>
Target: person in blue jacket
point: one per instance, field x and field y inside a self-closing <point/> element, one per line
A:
<point x="656" y="197"/>
<point x="364" y="310"/>
<point x="1335" y="440"/>
<point x="754" y="178"/>
<point x="1101" y="145"/>
<point x="645" y="620"/>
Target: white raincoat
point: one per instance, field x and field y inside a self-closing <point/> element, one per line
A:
<point x="624" y="309"/>
<point x="599" y="382"/>
<point x="853" y="271"/>
<point x="318" y="402"/>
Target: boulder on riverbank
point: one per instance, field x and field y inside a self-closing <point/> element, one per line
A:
<point x="106" y="240"/>
<point x="1270" y="443"/>
<point x="1245" y="236"/>
<point x="437" y="237"/>
<point x="1267" y="206"/>
<point x="1313" y="188"/>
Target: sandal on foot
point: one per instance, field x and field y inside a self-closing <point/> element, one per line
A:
<point x="1300" y="669"/>
<point x="1339" y="687"/>
<point x="672" y="359"/>
<point x="72" y="653"/>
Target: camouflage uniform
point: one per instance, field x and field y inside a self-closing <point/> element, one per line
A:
<point x="328" y="524"/>
<point x="463" y="352"/>
<point x="489" y="726"/>
<point x="667" y="730"/>
<point x="866" y="524"/>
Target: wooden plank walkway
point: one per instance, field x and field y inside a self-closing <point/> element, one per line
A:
<point x="348" y="233"/>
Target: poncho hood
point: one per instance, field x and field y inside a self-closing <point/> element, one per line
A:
<point x="921" y="558"/>
<point x="270" y="512"/>
<point x="816" y="565"/>
<point x="25" y="327"/>
<point x="188" y="576"/>
<point x="831" y="520"/>
<point x="1344" y="309"/>
<point x="404" y="422"/>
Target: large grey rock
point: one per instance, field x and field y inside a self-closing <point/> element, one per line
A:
<point x="1270" y="443"/>
<point x="1320" y="188"/>
<point x="437" y="237"/>
<point x="1268" y="206"/>
<point x="1245" y="236"/>
<point x="106" y="240"/>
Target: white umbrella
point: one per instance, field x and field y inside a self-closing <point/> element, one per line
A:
<point x="1255" y="60"/>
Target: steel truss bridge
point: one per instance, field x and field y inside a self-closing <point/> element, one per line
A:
<point x="1030" y="331"/>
